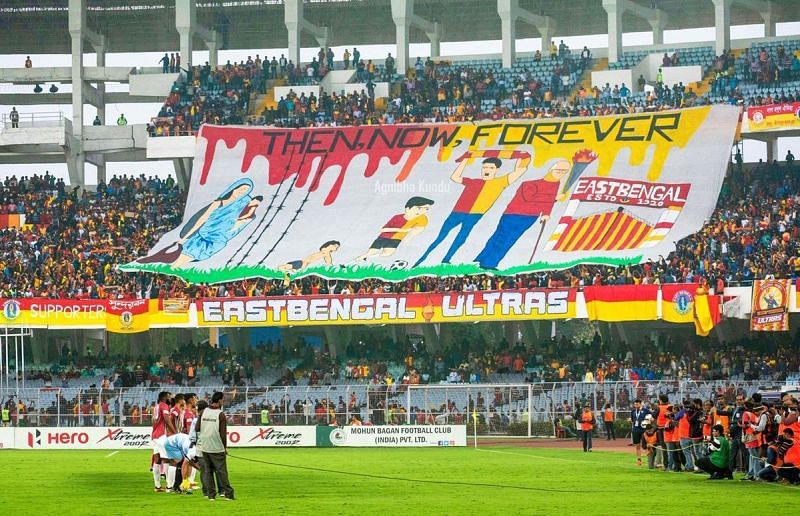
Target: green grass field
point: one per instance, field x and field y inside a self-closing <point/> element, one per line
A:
<point x="359" y="272"/>
<point x="555" y="481"/>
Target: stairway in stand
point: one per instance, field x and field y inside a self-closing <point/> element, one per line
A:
<point x="586" y="77"/>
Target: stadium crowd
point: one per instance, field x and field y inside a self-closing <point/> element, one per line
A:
<point x="443" y="91"/>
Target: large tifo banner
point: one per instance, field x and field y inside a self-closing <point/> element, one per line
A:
<point x="399" y="201"/>
<point x="773" y="116"/>
<point x="770" y="307"/>
<point x="128" y="438"/>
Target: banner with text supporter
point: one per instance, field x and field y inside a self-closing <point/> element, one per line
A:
<point x="392" y="436"/>
<point x="400" y="201"/>
<point x="388" y="308"/>
<point x="770" y="308"/>
<point x="53" y="313"/>
<point x="773" y="116"/>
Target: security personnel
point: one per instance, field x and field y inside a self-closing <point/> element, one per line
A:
<point x="6" y="416"/>
<point x="212" y="431"/>
<point x="265" y="416"/>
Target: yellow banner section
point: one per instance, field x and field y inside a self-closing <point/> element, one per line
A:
<point x="774" y="116"/>
<point x="393" y="309"/>
<point x="622" y="303"/>
<point x="128" y="316"/>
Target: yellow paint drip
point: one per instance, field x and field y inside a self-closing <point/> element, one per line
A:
<point x="602" y="135"/>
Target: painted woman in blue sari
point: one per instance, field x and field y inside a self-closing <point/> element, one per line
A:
<point x="209" y="230"/>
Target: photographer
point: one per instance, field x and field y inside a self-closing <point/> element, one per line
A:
<point x="790" y="471"/>
<point x="689" y="422"/>
<point x="776" y="453"/>
<point x="661" y="423"/>
<point x="739" y="453"/>
<point x="719" y="451"/>
<point x="672" y="440"/>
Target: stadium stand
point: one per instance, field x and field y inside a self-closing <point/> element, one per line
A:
<point x="98" y="230"/>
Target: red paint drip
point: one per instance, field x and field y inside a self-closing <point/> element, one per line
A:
<point x="282" y="160"/>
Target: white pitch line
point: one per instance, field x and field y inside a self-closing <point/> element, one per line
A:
<point x="532" y="456"/>
<point x="112" y="454"/>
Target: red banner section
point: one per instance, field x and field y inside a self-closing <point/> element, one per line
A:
<point x="774" y="116"/>
<point x="631" y="193"/>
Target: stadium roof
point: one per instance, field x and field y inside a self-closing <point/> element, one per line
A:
<point x="40" y="26"/>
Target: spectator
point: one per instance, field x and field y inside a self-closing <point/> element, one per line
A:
<point x="122" y="121"/>
<point x="28" y="62"/>
<point x="97" y="120"/>
<point x="14" y="116"/>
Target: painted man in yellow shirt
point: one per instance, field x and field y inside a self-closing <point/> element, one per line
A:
<point x="478" y="196"/>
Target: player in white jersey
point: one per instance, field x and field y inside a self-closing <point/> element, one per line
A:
<point x="180" y="453"/>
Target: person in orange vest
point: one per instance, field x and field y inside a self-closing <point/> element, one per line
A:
<point x="650" y="444"/>
<point x="754" y="422"/>
<point x="608" y="422"/>
<point x="661" y="423"/>
<point x="789" y="473"/>
<point x="776" y="453"/>
<point x="671" y="441"/>
<point x="587" y="427"/>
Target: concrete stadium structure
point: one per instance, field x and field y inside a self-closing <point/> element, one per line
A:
<point x="78" y="27"/>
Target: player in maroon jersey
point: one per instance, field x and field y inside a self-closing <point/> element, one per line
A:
<point x="189" y="415"/>
<point x="163" y="425"/>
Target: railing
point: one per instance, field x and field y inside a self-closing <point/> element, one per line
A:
<point x="26" y="120"/>
<point x="539" y="409"/>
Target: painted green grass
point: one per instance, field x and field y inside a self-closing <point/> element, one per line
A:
<point x="360" y="272"/>
<point x="568" y="481"/>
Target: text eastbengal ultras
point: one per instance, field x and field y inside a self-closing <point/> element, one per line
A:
<point x="402" y="308"/>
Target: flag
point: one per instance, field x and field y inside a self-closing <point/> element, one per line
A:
<point x="622" y="303"/>
<point x="128" y="316"/>
<point x="770" y="307"/>
<point x="706" y="312"/>
<point x="678" y="302"/>
<point x="607" y="231"/>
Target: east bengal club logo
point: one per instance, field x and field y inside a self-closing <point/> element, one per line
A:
<point x="11" y="309"/>
<point x="683" y="301"/>
<point x="126" y="319"/>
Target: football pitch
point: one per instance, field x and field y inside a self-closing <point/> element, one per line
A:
<point x="490" y="480"/>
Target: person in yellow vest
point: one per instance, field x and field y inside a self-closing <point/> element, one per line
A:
<point x="587" y="427"/>
<point x="6" y="416"/>
<point x="608" y="422"/>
